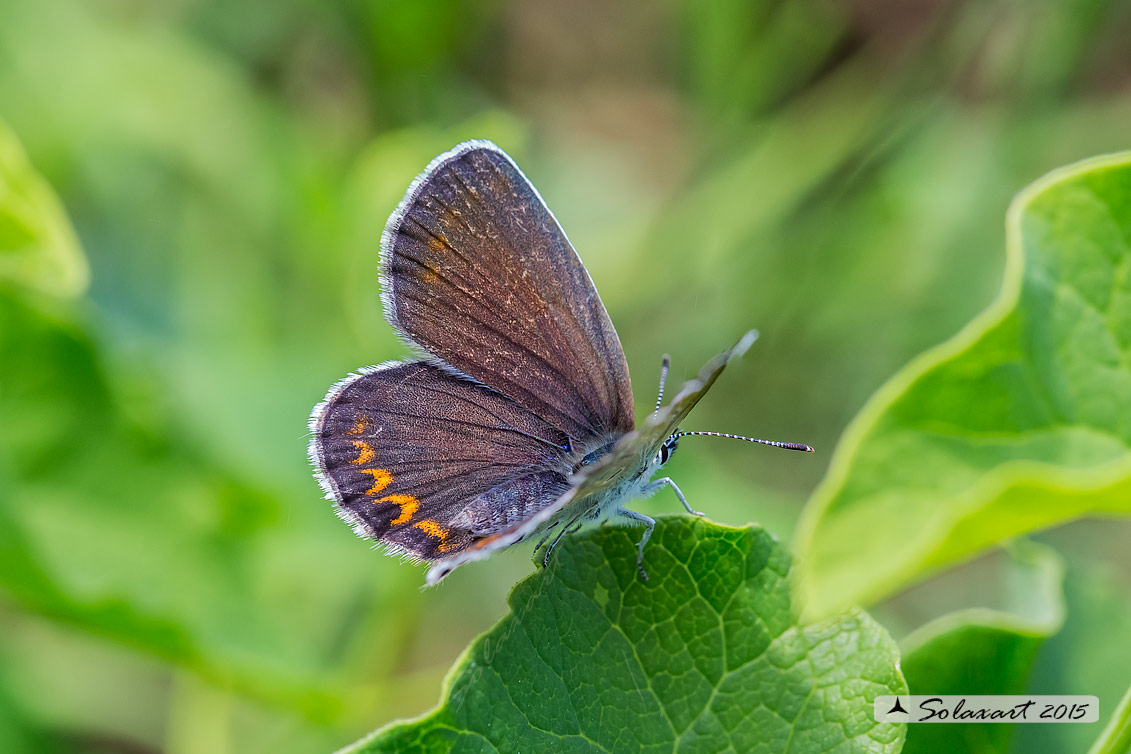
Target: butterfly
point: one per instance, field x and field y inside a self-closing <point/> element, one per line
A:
<point x="517" y="419"/>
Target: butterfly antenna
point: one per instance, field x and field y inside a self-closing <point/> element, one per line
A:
<point x="775" y="443"/>
<point x="667" y="362"/>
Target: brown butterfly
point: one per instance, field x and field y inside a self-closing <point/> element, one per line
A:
<point x="518" y="419"/>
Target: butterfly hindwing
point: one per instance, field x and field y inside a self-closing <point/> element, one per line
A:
<point x="427" y="462"/>
<point x="476" y="270"/>
<point x="520" y="418"/>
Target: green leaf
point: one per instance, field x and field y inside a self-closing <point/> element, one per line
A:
<point x="1016" y="424"/>
<point x="1079" y="658"/>
<point x="38" y="248"/>
<point x="986" y="651"/>
<point x="1116" y="735"/>
<point x="706" y="656"/>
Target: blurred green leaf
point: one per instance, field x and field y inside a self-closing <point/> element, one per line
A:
<point x="1079" y="658"/>
<point x="985" y="651"/>
<point x="38" y="248"/>
<point x="1116" y="735"/>
<point x="1013" y="425"/>
<point x="113" y="521"/>
<point x="18" y="732"/>
<point x="705" y="656"/>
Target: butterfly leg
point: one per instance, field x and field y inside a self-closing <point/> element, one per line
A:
<point x="565" y="530"/>
<point x="545" y="536"/>
<point x="659" y="484"/>
<point x="650" y="524"/>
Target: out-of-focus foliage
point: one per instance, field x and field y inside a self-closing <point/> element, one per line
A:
<point x="1116" y="735"/>
<point x="834" y="174"/>
<point x="988" y="649"/>
<point x="38" y="249"/>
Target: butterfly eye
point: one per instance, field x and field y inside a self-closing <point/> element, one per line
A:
<point x="667" y="449"/>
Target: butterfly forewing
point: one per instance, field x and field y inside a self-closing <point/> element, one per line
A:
<point x="627" y="457"/>
<point x="525" y="382"/>
<point x="477" y="271"/>
<point x="643" y="444"/>
<point x="426" y="461"/>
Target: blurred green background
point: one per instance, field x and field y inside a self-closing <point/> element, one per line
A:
<point x="835" y="174"/>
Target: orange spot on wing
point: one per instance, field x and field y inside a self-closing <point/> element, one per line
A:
<point x="433" y="529"/>
<point x="430" y="274"/>
<point x="408" y="505"/>
<point x="365" y="452"/>
<point x="381" y="480"/>
<point x="359" y="426"/>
